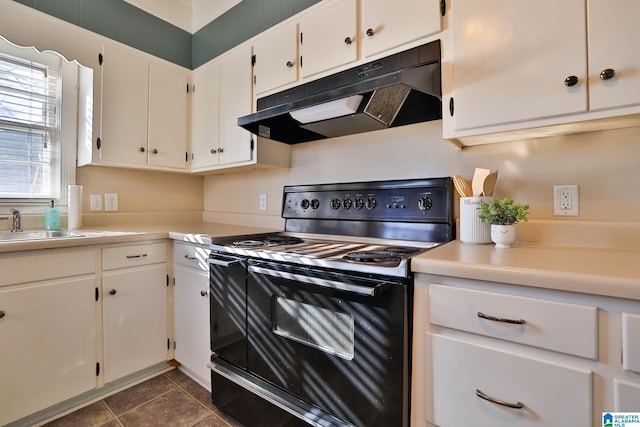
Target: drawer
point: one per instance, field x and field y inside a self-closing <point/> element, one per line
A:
<point x="134" y="255"/>
<point x="191" y="255"/>
<point x="33" y="268"/>
<point x="631" y="342"/>
<point x="626" y="395"/>
<point x="551" y="394"/>
<point x="562" y="327"/>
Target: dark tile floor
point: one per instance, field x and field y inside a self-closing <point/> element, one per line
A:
<point x="170" y="399"/>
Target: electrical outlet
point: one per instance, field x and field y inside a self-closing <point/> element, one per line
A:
<point x="565" y="200"/>
<point x="110" y="201"/>
<point x="96" y="202"/>
<point x="263" y="202"/>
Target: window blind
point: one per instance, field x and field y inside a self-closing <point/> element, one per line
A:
<point x="29" y="121"/>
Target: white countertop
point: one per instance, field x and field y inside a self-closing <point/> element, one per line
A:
<point x="599" y="271"/>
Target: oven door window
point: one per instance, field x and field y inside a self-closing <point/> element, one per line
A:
<point x="320" y="328"/>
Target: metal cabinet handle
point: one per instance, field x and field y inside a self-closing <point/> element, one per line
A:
<point x="348" y="41"/>
<point x="517" y="405"/>
<point x="113" y="292"/>
<point x="142" y="149"/>
<point x="214" y="151"/>
<point x="289" y="64"/>
<point x="501" y="319"/>
<point x="136" y="256"/>
<point x="2" y="314"/>
<point x="370" y="32"/>
<point x="607" y="74"/>
<point x="191" y="258"/>
<point x="203" y="293"/>
<point x="571" y="81"/>
<point x="220" y="150"/>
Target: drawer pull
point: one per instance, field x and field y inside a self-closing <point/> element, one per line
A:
<point x="190" y="258"/>
<point x="517" y="405"/>
<point x="113" y="291"/>
<point x="203" y="293"/>
<point x="501" y="319"/>
<point x="136" y="256"/>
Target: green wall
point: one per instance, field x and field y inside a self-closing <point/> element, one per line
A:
<point x="120" y="21"/>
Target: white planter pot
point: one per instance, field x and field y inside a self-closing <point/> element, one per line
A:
<point x="503" y="235"/>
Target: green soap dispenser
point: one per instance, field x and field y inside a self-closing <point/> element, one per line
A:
<point x="52" y="217"/>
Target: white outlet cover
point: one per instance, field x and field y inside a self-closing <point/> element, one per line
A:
<point x="563" y="195"/>
<point x="96" y="202"/>
<point x="110" y="201"/>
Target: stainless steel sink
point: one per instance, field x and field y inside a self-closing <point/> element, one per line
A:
<point x="6" y="236"/>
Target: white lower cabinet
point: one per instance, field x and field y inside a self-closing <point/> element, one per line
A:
<point x="47" y="331"/>
<point x="482" y="386"/>
<point x="191" y="309"/>
<point x="134" y="309"/>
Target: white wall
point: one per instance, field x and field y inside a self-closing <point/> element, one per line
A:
<point x="604" y="165"/>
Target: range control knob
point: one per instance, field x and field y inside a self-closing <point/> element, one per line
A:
<point x="315" y="204"/>
<point x="304" y="204"/>
<point x="359" y="203"/>
<point x="347" y="203"/>
<point x="370" y="203"/>
<point x="335" y="204"/>
<point x="424" y="203"/>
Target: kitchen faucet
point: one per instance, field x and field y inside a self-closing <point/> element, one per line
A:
<point x="16" y="220"/>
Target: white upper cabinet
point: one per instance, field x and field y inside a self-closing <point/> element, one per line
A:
<point x="328" y="38"/>
<point x="144" y="112"/>
<point x="511" y="60"/>
<point x="613" y="32"/>
<point x="389" y="24"/>
<point x="276" y="58"/>
<point x="205" y="116"/>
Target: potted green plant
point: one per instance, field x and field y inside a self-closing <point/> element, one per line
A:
<point x="502" y="214"/>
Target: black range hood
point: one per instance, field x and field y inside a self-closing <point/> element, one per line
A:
<point x="398" y="90"/>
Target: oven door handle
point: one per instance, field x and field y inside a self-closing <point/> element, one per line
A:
<point x="317" y="281"/>
<point x="222" y="262"/>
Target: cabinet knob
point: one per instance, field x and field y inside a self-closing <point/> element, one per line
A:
<point x="155" y="151"/>
<point x="214" y="151"/>
<point x="142" y="149"/>
<point x="1" y="314"/>
<point x="289" y="64"/>
<point x="203" y="293"/>
<point x="370" y="32"/>
<point x="221" y="150"/>
<point x="348" y="41"/>
<point x="571" y="81"/>
<point x="113" y="292"/>
<point x="607" y="74"/>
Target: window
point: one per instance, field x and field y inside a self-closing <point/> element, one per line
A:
<point x="30" y="95"/>
<point x="45" y="109"/>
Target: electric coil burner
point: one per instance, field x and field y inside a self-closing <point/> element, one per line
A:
<point x="311" y="326"/>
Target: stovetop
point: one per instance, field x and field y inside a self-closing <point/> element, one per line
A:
<point x="367" y="227"/>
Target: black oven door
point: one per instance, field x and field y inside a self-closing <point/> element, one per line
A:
<point x="228" y="315"/>
<point x="337" y="341"/>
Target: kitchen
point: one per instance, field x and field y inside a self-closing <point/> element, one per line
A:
<point x="601" y="163"/>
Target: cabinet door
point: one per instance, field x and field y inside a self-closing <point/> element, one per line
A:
<point x="236" y="99"/>
<point x="276" y="58"/>
<point x="167" y="144"/>
<point x="205" y="116"/>
<point x="125" y="104"/>
<point x="612" y="27"/>
<point x="191" y="319"/>
<point x="328" y="38"/>
<point x="551" y="394"/>
<point x="386" y="24"/>
<point x="48" y="337"/>
<point x="135" y="320"/>
<point x="511" y="61"/>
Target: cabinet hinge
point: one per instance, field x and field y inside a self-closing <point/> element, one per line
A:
<point x="253" y="60"/>
<point x="443" y="7"/>
<point x="175" y="345"/>
<point x="98" y="143"/>
<point x="300" y="61"/>
<point x="187" y="87"/>
<point x="174" y="281"/>
<point x="100" y="58"/>
<point x="301" y="38"/>
<point x="168" y="343"/>
<point x="252" y="144"/>
<point x="167" y="280"/>
<point x="97" y="368"/>
<point x="186" y="156"/>
<point x="97" y="294"/>
<point x="451" y="106"/>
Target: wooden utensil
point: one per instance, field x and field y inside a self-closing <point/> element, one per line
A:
<point x="461" y="186"/>
<point x="489" y="183"/>
<point x="477" y="183"/>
